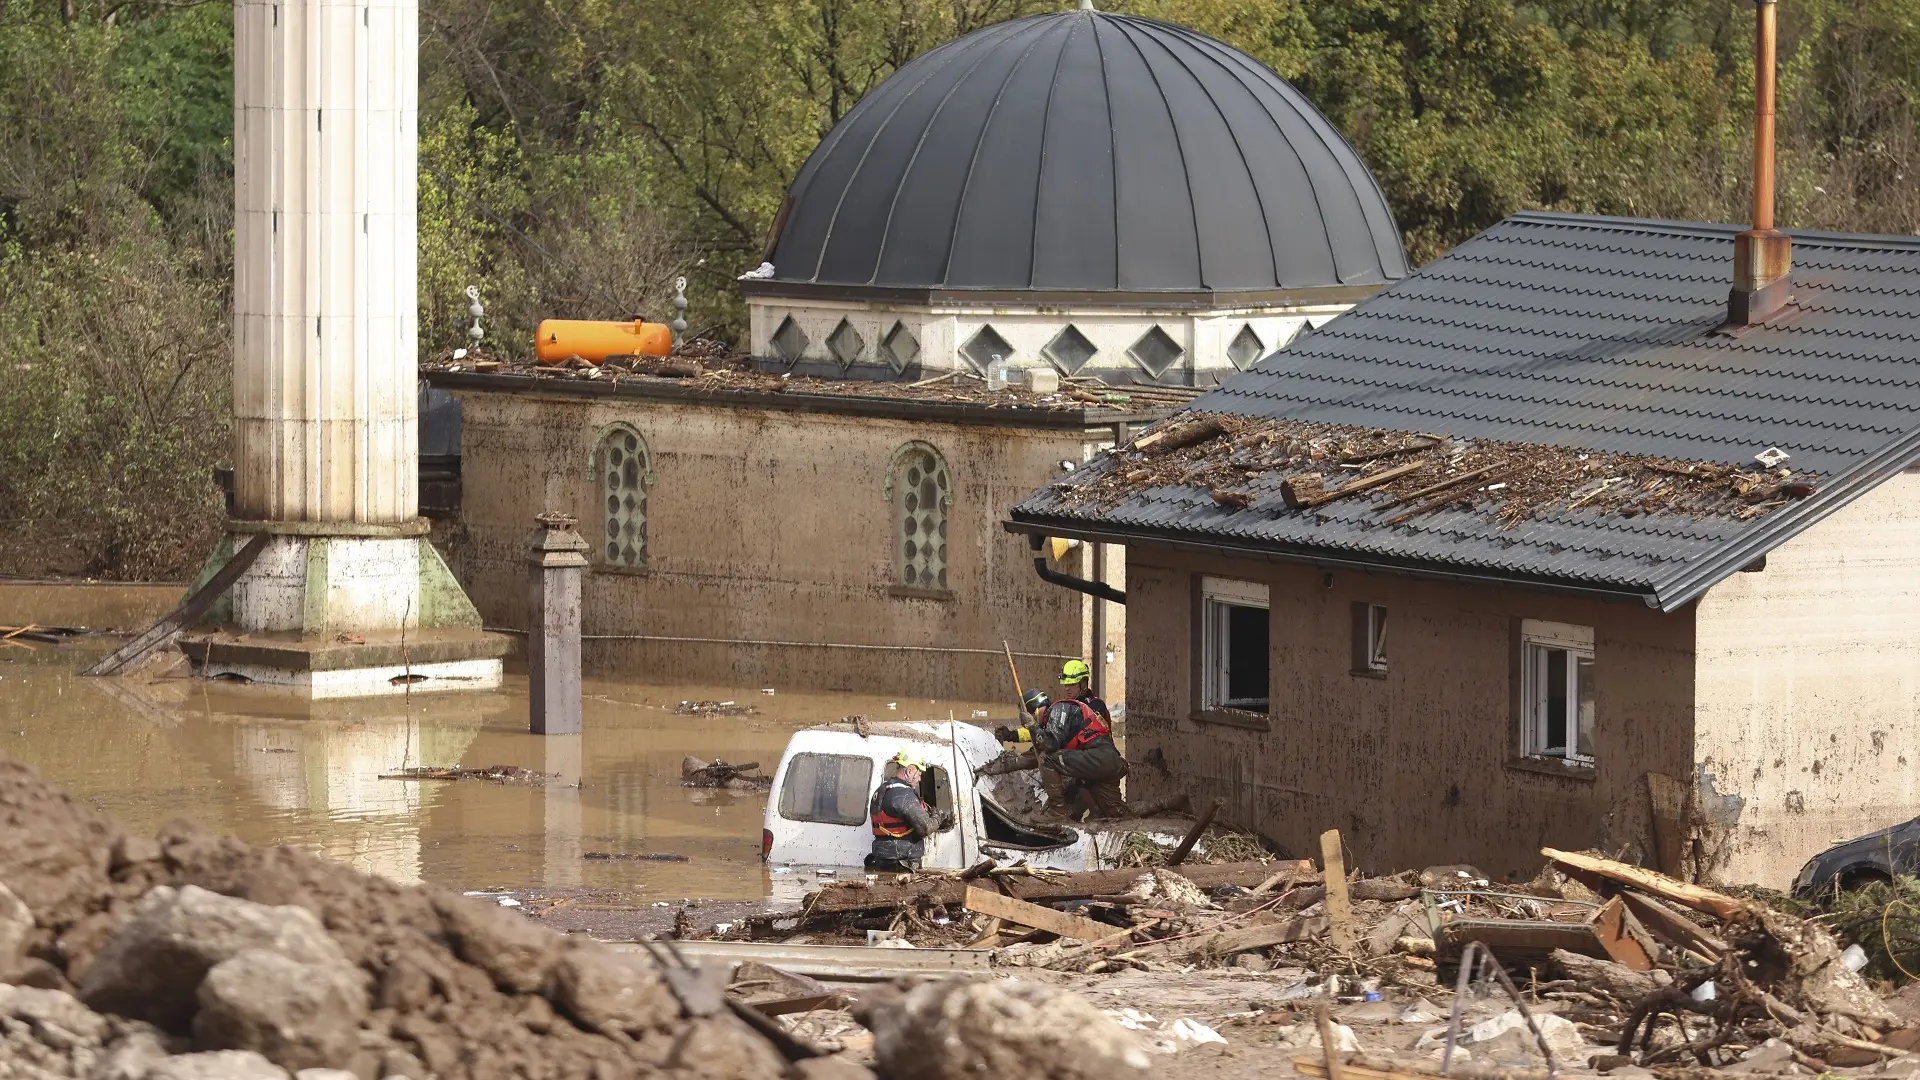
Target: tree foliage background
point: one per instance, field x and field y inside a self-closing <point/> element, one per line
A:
<point x="577" y="154"/>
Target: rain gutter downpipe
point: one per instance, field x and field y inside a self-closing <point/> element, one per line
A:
<point x="1097" y="590"/>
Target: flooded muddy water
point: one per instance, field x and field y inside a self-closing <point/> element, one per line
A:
<point x="151" y="749"/>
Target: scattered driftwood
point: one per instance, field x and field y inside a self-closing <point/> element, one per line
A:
<point x="1007" y="909"/>
<point x="499" y="774"/>
<point x="714" y="708"/>
<point x="1037" y="887"/>
<point x="636" y="856"/>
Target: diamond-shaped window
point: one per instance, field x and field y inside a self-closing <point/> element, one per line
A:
<point x="846" y="345"/>
<point x="985" y="347"/>
<point x="789" y="342"/>
<point x="1155" y="352"/>
<point x="1246" y="347"/>
<point x="1069" y="350"/>
<point x="899" y="348"/>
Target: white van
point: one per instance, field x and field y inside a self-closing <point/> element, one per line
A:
<point x="817" y="810"/>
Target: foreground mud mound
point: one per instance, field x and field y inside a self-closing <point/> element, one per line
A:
<point x="194" y="956"/>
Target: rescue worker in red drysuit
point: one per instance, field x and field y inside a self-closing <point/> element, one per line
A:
<point x="901" y="822"/>
<point x="1075" y="739"/>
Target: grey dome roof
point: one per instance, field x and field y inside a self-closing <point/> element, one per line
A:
<point x="1085" y="151"/>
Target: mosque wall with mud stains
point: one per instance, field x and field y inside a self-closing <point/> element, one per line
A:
<point x="770" y="525"/>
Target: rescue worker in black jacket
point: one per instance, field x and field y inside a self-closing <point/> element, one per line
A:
<point x="901" y="822"/>
<point x="1075" y="740"/>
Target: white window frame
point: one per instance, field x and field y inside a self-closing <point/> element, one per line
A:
<point x="1539" y="641"/>
<point x="1376" y="639"/>
<point x="1217" y="595"/>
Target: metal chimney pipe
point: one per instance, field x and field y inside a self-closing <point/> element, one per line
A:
<point x="1762" y="256"/>
<point x="1764" y="53"/>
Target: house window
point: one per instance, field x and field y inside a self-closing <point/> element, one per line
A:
<point x="921" y="490"/>
<point x="1556" y="691"/>
<point x="1369" y="639"/>
<point x="1233" y="648"/>
<point x="624" y="471"/>
<point x="829" y="788"/>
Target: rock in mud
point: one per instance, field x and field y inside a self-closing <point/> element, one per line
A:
<point x="608" y="991"/>
<point x="151" y="967"/>
<point x="519" y="955"/>
<point x="298" y="1016"/>
<point x="828" y="1068"/>
<point x="1010" y="1031"/>
<point x="217" y="1065"/>
<point x="53" y="850"/>
<point x="16" y="927"/>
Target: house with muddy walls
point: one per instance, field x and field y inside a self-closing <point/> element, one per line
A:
<point x="1021" y="248"/>
<point x="1584" y="534"/>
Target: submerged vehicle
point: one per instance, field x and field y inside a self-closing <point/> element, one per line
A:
<point x="817" y="810"/>
<point x="1878" y="856"/>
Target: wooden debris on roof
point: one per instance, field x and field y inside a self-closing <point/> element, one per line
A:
<point x="1240" y="461"/>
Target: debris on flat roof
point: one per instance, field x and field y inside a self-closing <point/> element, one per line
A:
<point x="1289" y="465"/>
<point x="706" y="367"/>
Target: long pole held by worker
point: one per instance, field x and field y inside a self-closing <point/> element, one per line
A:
<point x="1019" y="695"/>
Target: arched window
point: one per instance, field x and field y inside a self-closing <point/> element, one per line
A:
<point x="623" y="471"/>
<point x="921" y="490"/>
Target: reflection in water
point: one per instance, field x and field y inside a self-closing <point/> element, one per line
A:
<point x="274" y="770"/>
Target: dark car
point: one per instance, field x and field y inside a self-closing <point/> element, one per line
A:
<point x="1878" y="856"/>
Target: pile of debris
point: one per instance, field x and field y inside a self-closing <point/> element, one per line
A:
<point x="1621" y="967"/>
<point x="714" y="708"/>
<point x="696" y="773"/>
<point x="194" y="957"/>
<point x="1286" y="465"/>
<point x="730" y="371"/>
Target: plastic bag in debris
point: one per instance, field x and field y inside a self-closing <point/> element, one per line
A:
<point x="1184" y="1033"/>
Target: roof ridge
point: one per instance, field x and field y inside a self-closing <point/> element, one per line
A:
<point x="1819" y="238"/>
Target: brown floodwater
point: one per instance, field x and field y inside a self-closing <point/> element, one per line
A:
<point x="147" y="750"/>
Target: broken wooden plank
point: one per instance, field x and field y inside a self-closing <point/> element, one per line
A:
<point x="1697" y="897"/>
<point x="181" y="619"/>
<point x="804" y="1003"/>
<point x="1193" y="835"/>
<point x="1166" y="439"/>
<point x="1040" y="918"/>
<point x="1329" y="1050"/>
<point x="1420" y="442"/>
<point x="1610" y="927"/>
<point x="1302" y="496"/>
<point x="1339" y="905"/>
<point x="1672" y="927"/>
<point x="853" y="896"/>
<point x="1432" y="489"/>
<point x="1263" y="936"/>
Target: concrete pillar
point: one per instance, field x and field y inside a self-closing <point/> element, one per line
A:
<point x="556" y="555"/>
<point x="325" y="260"/>
<point x="348" y="599"/>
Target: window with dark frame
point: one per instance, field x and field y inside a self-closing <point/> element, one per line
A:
<point x="1557" y="692"/>
<point x="1369" y="639"/>
<point x="1234" y="643"/>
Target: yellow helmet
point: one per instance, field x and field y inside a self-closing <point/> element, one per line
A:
<point x="910" y="760"/>
<point x="1075" y="671"/>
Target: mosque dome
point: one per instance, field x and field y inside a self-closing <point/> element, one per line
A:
<point x="1085" y="152"/>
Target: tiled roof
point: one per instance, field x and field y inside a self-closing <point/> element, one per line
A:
<point x="1588" y="332"/>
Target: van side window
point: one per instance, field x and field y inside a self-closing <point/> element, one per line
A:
<point x="830" y="788"/>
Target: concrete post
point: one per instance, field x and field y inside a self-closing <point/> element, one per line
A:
<point x="557" y="555"/>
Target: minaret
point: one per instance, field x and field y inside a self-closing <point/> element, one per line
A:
<point x="326" y="456"/>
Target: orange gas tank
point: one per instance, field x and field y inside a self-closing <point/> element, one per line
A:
<point x="558" y="339"/>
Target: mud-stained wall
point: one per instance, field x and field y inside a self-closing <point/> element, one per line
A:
<point x="769" y="525"/>
<point x="1809" y="687"/>
<point x="1420" y="766"/>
